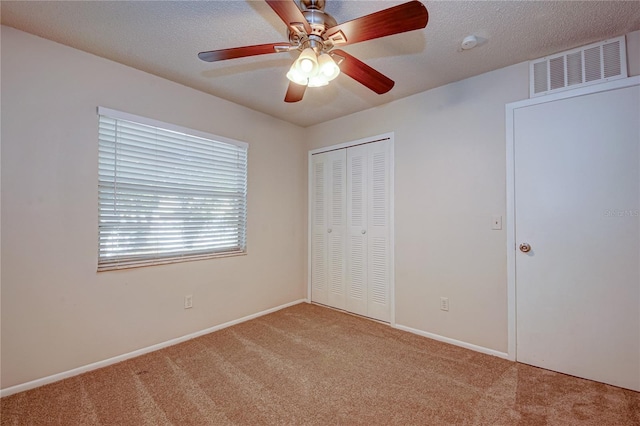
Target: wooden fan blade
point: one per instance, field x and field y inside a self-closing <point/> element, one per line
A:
<point x="289" y="12"/>
<point x="295" y="92"/>
<point x="238" y="52"/>
<point x="363" y="73"/>
<point x="394" y="20"/>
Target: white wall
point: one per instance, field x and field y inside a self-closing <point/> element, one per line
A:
<point x="57" y="312"/>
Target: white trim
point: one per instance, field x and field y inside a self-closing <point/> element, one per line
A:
<point x="309" y="222"/>
<point x="511" y="214"/>
<point x="392" y="277"/>
<point x="510" y="227"/>
<point x="104" y="363"/>
<point x="369" y="139"/>
<point x="580" y="91"/>
<point x="167" y="126"/>
<point x="392" y="231"/>
<point x="454" y="342"/>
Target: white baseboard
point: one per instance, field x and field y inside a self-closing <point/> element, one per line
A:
<point x="455" y="342"/>
<point x="93" y="366"/>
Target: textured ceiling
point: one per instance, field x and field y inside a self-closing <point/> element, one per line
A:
<point x="164" y="37"/>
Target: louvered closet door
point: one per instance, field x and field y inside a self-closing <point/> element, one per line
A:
<point x="378" y="241"/>
<point x="329" y="224"/>
<point x="336" y="227"/>
<point x="350" y="241"/>
<point x="319" y="289"/>
<point x="357" y="238"/>
<point x="368" y="222"/>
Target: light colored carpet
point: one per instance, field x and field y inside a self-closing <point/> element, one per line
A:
<point x="310" y="365"/>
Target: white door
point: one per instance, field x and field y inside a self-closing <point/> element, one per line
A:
<point x="350" y="219"/>
<point x="319" y="280"/>
<point x="357" y="239"/>
<point x="328" y="222"/>
<point x="337" y="224"/>
<point x="577" y="203"/>
<point x="378" y="241"/>
<point x="368" y="224"/>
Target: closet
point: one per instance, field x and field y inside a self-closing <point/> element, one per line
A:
<point x="350" y="206"/>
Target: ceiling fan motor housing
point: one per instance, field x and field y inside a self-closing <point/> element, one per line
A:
<point x="312" y="4"/>
<point x="319" y="20"/>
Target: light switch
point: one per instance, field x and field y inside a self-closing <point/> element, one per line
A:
<point x="496" y="222"/>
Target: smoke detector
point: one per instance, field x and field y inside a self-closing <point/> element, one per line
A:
<point x="469" y="42"/>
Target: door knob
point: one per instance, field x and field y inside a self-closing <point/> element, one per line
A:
<point x="525" y="248"/>
<point x="364" y="232"/>
<point x="329" y="230"/>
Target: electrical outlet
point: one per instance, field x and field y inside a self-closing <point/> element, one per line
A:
<point x="188" y="301"/>
<point x="444" y="303"/>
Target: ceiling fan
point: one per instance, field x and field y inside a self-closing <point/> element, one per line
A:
<point x="316" y="34"/>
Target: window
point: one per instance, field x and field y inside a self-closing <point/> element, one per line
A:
<point x="167" y="194"/>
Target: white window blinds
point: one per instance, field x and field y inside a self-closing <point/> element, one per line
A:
<point x="167" y="194"/>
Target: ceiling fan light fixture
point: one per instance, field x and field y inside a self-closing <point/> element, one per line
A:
<point x="307" y="63"/>
<point x="327" y="67"/>
<point x="296" y="76"/>
<point x="318" y="80"/>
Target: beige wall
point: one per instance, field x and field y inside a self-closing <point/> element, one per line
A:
<point x="633" y="53"/>
<point x="57" y="312"/>
<point x="449" y="180"/>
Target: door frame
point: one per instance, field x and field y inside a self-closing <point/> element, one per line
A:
<point x="385" y="136"/>
<point x="510" y="186"/>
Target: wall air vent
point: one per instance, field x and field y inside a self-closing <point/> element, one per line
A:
<point x="595" y="63"/>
